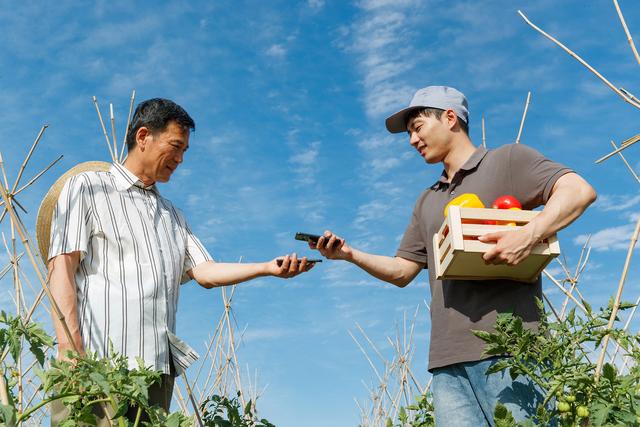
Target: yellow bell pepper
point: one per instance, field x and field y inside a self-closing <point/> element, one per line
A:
<point x="466" y="200"/>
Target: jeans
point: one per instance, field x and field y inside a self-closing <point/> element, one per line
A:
<point x="464" y="395"/>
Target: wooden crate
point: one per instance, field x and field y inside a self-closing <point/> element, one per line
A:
<point x="458" y="253"/>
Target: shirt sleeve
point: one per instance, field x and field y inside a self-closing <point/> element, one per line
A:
<point x="71" y="221"/>
<point x="533" y="175"/>
<point x="413" y="247"/>
<point x="195" y="254"/>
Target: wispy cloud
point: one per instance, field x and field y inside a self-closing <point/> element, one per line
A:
<point x="304" y="162"/>
<point x="612" y="238"/>
<point x="262" y="334"/>
<point x="315" y="4"/>
<point x="381" y="41"/>
<point x="276" y="51"/>
<point x="613" y="202"/>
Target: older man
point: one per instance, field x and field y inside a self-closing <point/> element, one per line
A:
<point x="119" y="252"/>
<point x="437" y="124"/>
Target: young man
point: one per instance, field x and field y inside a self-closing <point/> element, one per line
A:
<point x="120" y="251"/>
<point x="437" y="123"/>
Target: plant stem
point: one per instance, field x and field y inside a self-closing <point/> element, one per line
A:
<point x="138" y="415"/>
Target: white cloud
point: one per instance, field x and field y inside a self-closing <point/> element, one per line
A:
<point x="315" y="4"/>
<point x="276" y="51"/>
<point x="264" y="334"/>
<point x="380" y="42"/>
<point x="612" y="238"/>
<point x="613" y="202"/>
<point x="383" y="165"/>
<point x="371" y="211"/>
<point x="305" y="161"/>
<point x="308" y="156"/>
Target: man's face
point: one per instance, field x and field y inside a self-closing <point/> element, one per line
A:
<point x="430" y="137"/>
<point x="164" y="151"/>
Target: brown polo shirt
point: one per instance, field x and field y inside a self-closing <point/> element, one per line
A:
<point x="460" y="306"/>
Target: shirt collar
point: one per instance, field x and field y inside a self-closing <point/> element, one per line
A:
<point x="125" y="179"/>
<point x="472" y="162"/>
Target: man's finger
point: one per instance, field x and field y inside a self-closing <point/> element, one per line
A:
<point x="303" y="264"/>
<point x="489" y="256"/>
<point x="331" y="242"/>
<point x="293" y="267"/>
<point x="490" y="237"/>
<point x="285" y="264"/>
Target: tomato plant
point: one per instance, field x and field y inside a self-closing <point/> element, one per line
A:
<point x="557" y="357"/>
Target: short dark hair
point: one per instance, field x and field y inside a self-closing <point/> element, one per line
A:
<point x="437" y="113"/>
<point x="155" y="114"/>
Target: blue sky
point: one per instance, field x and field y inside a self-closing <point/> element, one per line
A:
<point x="289" y="100"/>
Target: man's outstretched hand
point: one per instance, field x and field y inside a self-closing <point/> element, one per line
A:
<point x="289" y="266"/>
<point x="332" y="246"/>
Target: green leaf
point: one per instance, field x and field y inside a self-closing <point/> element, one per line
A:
<point x="8" y="414"/>
<point x="503" y="417"/>
<point x="609" y="372"/>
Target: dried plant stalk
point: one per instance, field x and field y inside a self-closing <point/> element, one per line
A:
<point x="582" y="61"/>
<point x="616" y="304"/>
<point x="524" y="116"/>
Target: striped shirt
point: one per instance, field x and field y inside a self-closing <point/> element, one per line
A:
<point x="135" y="250"/>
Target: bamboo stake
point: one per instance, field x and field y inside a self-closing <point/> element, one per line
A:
<point x="35" y="178"/>
<point x="555" y="282"/>
<point x="15" y="193"/>
<point x="126" y="132"/>
<point x="629" y="94"/>
<point x="193" y="402"/>
<point x="626" y="31"/>
<point x="625" y="144"/>
<point x="113" y="131"/>
<point x="615" y="147"/>
<point x="484" y="136"/>
<point x="582" y="61"/>
<point x="626" y="326"/>
<point x="180" y="401"/>
<point x="4" y="173"/>
<point x="104" y="129"/>
<point x="524" y="116"/>
<point x="4" y="397"/>
<point x="616" y="304"/>
<point x="26" y="159"/>
<point x="25" y="241"/>
<point x="375" y="370"/>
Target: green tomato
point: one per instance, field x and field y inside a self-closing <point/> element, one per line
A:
<point x="582" y="411"/>
<point x="570" y="398"/>
<point x="564" y="407"/>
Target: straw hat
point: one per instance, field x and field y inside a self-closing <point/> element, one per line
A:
<point x="43" y="222"/>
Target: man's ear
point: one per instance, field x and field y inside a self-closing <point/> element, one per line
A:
<point x="143" y="136"/>
<point x="451" y="118"/>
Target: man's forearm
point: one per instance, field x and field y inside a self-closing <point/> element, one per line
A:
<point x="568" y="201"/>
<point x="213" y="274"/>
<point x="394" y="270"/>
<point x="63" y="289"/>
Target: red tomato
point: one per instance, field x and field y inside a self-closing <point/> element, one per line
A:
<point x="506" y="202"/>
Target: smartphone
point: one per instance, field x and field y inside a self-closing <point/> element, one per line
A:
<point x="306" y="237"/>
<point x="309" y="261"/>
<point x="311" y="238"/>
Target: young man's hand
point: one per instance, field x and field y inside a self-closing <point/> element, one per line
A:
<point x="511" y="247"/>
<point x="332" y="246"/>
<point x="289" y="266"/>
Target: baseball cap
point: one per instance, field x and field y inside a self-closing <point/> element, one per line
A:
<point x="441" y="97"/>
